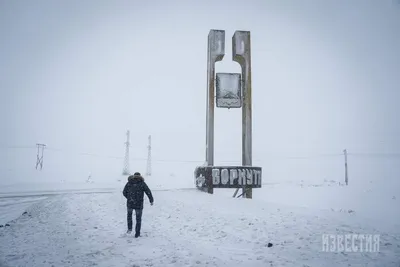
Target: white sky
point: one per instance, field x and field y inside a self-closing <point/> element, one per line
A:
<point x="76" y="75"/>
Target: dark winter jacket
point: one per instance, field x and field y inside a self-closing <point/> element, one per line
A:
<point x="134" y="192"/>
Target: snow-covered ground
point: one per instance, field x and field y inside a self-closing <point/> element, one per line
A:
<point x="373" y="204"/>
<point x="191" y="228"/>
<point x="15" y="199"/>
<point x="13" y="207"/>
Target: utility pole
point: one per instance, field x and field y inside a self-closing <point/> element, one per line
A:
<point x="126" y="160"/>
<point x="39" y="157"/>
<point x="148" y="172"/>
<point x="346" y="175"/>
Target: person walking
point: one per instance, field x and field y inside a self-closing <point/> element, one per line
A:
<point x="134" y="193"/>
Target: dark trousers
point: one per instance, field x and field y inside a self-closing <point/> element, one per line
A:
<point x="138" y="213"/>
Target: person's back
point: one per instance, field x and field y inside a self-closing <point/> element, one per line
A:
<point x="134" y="193"/>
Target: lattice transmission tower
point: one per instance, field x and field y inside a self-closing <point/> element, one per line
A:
<point x="39" y="156"/>
<point x="126" y="171"/>
<point x="148" y="171"/>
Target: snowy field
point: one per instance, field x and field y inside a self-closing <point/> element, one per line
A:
<point x="13" y="207"/>
<point x="15" y="199"/>
<point x="190" y="228"/>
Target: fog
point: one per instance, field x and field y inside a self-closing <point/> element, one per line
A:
<point x="77" y="75"/>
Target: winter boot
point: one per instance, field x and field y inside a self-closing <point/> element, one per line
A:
<point x="137" y="234"/>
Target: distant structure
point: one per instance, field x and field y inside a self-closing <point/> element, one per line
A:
<point x="148" y="171"/>
<point x="346" y="174"/>
<point x="39" y="157"/>
<point x="89" y="179"/>
<point x="126" y="171"/>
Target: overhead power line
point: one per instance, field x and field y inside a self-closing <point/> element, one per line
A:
<point x="265" y="158"/>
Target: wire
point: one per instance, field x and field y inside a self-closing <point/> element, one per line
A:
<point x="375" y="155"/>
<point x="17" y="147"/>
<point x="274" y="157"/>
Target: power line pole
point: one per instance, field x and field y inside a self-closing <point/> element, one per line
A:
<point x="148" y="172"/>
<point x="126" y="160"/>
<point x="39" y="157"/>
<point x="346" y="175"/>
